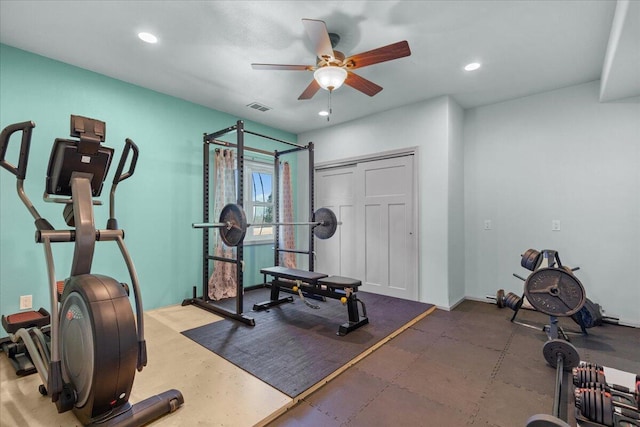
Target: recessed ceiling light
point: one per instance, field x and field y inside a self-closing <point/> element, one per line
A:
<point x="323" y="113"/>
<point x="473" y="66"/>
<point x="148" y="37"/>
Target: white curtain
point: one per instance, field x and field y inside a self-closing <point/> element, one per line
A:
<point x="287" y="235"/>
<point x="223" y="280"/>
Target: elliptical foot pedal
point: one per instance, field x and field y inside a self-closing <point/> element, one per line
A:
<point x="25" y="319"/>
<point x="16" y="351"/>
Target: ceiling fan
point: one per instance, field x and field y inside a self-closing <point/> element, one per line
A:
<point x="332" y="68"/>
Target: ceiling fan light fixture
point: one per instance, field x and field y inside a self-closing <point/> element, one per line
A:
<point x="148" y="38"/>
<point x="331" y="77"/>
<point x="472" y="66"/>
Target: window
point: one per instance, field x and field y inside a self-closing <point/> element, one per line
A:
<point x="259" y="201"/>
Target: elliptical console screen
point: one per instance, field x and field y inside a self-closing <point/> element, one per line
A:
<point x="66" y="159"/>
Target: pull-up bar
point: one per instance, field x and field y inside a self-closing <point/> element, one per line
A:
<point x="212" y="137"/>
<point x="229" y="144"/>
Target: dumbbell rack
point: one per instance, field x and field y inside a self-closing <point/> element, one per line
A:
<point x="603" y="404"/>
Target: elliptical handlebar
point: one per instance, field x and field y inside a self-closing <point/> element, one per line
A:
<point x="119" y="176"/>
<point x="20" y="171"/>
<point x="26" y="127"/>
<point x="112" y="223"/>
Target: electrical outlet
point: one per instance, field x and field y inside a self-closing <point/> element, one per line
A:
<point x="555" y="225"/>
<point x="25" y="302"/>
<point x="487" y="224"/>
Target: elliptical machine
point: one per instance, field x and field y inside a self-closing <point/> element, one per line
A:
<point x="96" y="342"/>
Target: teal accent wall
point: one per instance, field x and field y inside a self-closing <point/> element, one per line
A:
<point x="155" y="207"/>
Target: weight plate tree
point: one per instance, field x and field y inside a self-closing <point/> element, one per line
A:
<point x="554" y="291"/>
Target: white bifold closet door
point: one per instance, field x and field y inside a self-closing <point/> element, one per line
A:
<point x="377" y="241"/>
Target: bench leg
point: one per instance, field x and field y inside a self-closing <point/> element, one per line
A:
<point x="354" y="316"/>
<point x="275" y="299"/>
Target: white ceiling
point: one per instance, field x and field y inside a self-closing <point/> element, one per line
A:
<point x="205" y="49"/>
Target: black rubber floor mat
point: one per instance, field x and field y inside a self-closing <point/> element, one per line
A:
<point x="292" y="346"/>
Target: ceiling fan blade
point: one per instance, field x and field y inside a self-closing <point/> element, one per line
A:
<point x="363" y="85"/>
<point x="310" y="90"/>
<point x="381" y="54"/>
<point x="282" y="67"/>
<point x="317" y="32"/>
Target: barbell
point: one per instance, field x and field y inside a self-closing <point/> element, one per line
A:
<point x="233" y="224"/>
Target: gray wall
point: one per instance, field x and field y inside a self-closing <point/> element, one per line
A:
<point x="521" y="164"/>
<point x="557" y="155"/>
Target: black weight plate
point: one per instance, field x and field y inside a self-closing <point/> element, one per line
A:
<point x="531" y="259"/>
<point x="592" y="412"/>
<point x="555" y="292"/>
<point x="607" y="408"/>
<point x="578" y="399"/>
<point x="233" y="233"/>
<point x="328" y="223"/>
<point x="545" y="420"/>
<point x="553" y="348"/>
<point x="500" y="298"/>
<point x="512" y="301"/>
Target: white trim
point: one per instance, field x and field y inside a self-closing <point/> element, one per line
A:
<point x="407" y="151"/>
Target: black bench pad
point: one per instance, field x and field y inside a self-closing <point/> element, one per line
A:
<point x="339" y="282"/>
<point x="293" y="274"/>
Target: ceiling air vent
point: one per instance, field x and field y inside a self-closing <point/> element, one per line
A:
<point x="259" y="107"/>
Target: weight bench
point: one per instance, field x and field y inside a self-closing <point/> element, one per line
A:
<point x="316" y="284"/>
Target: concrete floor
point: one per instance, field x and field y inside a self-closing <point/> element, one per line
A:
<point x="470" y="366"/>
<point x="216" y="393"/>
